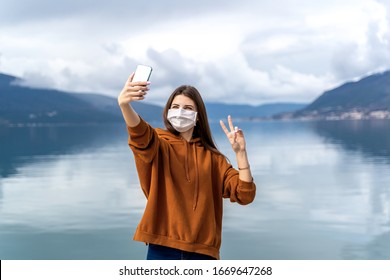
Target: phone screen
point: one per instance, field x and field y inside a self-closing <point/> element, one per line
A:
<point x="142" y="73"/>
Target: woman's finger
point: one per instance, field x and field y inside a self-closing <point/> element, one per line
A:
<point x="137" y="89"/>
<point x="138" y="93"/>
<point x="140" y="83"/>
<point x="230" y="121"/>
<point x="130" y="78"/>
<point x="224" y="128"/>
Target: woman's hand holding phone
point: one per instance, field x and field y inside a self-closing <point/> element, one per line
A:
<point x="136" y="86"/>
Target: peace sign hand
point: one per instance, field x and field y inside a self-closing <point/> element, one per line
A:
<point x="235" y="136"/>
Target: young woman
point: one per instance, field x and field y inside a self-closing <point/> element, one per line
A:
<point x="183" y="175"/>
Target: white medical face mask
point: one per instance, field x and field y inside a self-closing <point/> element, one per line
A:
<point x="181" y="119"/>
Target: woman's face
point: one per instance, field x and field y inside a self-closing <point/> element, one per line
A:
<point x="183" y="102"/>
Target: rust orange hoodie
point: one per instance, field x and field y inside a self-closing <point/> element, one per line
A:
<point x="184" y="185"/>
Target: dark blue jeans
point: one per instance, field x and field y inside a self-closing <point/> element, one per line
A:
<point x="158" y="252"/>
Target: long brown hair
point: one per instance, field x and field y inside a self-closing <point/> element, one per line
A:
<point x="202" y="128"/>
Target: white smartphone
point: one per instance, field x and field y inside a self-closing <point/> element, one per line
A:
<point x="142" y="73"/>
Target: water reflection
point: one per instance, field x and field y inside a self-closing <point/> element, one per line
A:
<point x="318" y="197"/>
<point x="1" y="194"/>
<point x="370" y="140"/>
<point x="323" y="193"/>
<point x="20" y="146"/>
<point x="369" y="137"/>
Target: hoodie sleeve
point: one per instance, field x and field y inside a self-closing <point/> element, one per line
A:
<point x="237" y="190"/>
<point x="143" y="141"/>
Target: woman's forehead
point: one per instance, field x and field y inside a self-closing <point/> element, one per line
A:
<point x="183" y="100"/>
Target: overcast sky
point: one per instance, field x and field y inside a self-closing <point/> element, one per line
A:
<point x="245" y="51"/>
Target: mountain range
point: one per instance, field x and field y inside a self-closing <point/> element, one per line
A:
<point x="20" y="105"/>
<point x="367" y="98"/>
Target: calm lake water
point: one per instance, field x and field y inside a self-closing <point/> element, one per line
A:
<point x="323" y="193"/>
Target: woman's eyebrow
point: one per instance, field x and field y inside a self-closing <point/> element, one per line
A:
<point x="185" y="105"/>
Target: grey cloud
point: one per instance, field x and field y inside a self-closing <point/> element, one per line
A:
<point x="352" y="60"/>
<point x="173" y="69"/>
<point x="88" y="20"/>
<point x="83" y="24"/>
<point x="104" y="78"/>
<point x="378" y="49"/>
<point x="18" y="11"/>
<point x="113" y="48"/>
<point x="36" y="79"/>
<point x="305" y="54"/>
<point x="140" y="12"/>
<point x="232" y="81"/>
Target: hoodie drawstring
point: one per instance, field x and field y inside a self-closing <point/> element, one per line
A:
<point x="186" y="163"/>
<point x="196" y="191"/>
<point x="196" y="183"/>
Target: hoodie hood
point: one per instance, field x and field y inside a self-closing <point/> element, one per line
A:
<point x="166" y="135"/>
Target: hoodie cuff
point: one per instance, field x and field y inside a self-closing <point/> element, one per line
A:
<point x="247" y="185"/>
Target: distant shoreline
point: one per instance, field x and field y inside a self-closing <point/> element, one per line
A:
<point x="238" y="120"/>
